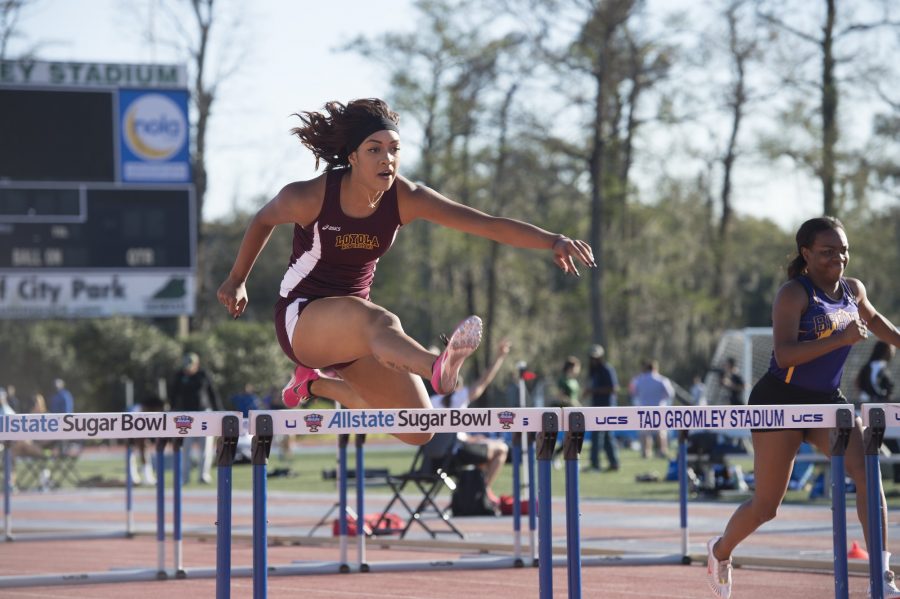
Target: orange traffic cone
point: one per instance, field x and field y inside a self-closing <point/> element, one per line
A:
<point x="857" y="552"/>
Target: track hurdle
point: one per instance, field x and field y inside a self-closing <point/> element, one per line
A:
<point x="10" y="535"/>
<point x="686" y="418"/>
<point x="88" y="426"/>
<point x="528" y="420"/>
<point x="876" y="418"/>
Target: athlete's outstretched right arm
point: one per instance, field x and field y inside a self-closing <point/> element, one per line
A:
<point x="295" y="203"/>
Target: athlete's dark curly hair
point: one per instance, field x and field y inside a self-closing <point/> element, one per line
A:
<point x="327" y="134"/>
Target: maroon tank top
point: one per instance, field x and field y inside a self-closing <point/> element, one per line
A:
<point x="336" y="254"/>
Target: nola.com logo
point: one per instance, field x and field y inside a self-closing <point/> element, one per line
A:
<point x="155" y="128"/>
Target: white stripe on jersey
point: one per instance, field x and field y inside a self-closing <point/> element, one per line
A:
<point x="304" y="265"/>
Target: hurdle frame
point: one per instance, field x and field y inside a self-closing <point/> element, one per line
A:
<point x="810" y="416"/>
<point x="179" y="425"/>
<point x="228" y="427"/>
<point x="364" y="565"/>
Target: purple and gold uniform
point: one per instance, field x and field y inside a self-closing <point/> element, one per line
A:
<point x="816" y="381"/>
<point x="823" y="317"/>
<point x="335" y="255"/>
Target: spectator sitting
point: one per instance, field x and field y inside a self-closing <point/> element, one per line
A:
<point x="487" y="453"/>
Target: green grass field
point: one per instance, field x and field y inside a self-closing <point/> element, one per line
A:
<point x="304" y="473"/>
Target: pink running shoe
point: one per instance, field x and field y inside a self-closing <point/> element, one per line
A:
<point x="296" y="392"/>
<point x="462" y="343"/>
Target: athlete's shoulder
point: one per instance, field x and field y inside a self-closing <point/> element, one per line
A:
<point x="303" y="190"/>
<point x="856" y="287"/>
<point x="298" y="202"/>
<point x="405" y="187"/>
<point x="792" y="292"/>
<point x="793" y="286"/>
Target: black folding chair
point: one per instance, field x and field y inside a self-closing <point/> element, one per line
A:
<point x="431" y="471"/>
<point x="64" y="463"/>
<point x="33" y="470"/>
<point x="51" y="468"/>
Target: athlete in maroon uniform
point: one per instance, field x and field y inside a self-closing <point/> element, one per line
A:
<point x="344" y="220"/>
<point x="817" y="315"/>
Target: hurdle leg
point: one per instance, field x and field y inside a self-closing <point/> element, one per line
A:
<point x="546" y="441"/>
<point x="840" y="436"/>
<point x="7" y="490"/>
<point x="872" y="438"/>
<point x="683" y="497"/>
<point x="572" y="443"/>
<point x="161" y="510"/>
<point x="517" y="498"/>
<point x="227" y="447"/>
<point x="177" y="542"/>
<point x="532" y="501"/>
<point x="260" y="449"/>
<point x="361" y="504"/>
<point x="343" y="439"/>
<point x="129" y="491"/>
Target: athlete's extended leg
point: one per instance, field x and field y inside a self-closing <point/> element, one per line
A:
<point x="338" y="330"/>
<point x="344" y="329"/>
<point x="773" y="459"/>
<point x="367" y="383"/>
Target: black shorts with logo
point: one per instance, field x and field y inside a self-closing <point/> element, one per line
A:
<point x="772" y="391"/>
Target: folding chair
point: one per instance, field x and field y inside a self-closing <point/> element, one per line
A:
<point x="52" y="467"/>
<point x="63" y="463"/>
<point x="430" y="472"/>
<point x="33" y="470"/>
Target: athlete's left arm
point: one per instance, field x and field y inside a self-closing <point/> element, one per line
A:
<point x="878" y="324"/>
<point x="421" y="202"/>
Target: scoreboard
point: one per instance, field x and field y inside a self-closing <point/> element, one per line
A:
<point x="97" y="208"/>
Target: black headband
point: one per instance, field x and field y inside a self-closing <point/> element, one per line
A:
<point x="366" y="128"/>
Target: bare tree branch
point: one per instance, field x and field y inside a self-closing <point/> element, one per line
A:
<point x="772" y="20"/>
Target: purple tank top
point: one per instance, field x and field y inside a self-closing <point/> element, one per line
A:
<point x="823" y="317"/>
<point x="336" y="254"/>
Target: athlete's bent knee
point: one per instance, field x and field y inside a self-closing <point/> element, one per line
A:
<point x="382" y="319"/>
<point x="764" y="511"/>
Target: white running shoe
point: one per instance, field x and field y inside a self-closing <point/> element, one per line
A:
<point x="464" y="340"/>
<point x="890" y="588"/>
<point x="719" y="572"/>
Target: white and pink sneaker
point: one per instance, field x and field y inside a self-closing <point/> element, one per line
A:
<point x="296" y="392"/>
<point x="718" y="571"/>
<point x="462" y="343"/>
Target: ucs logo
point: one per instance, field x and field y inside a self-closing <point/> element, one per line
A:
<point x="807" y="418"/>
<point x="611" y="419"/>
